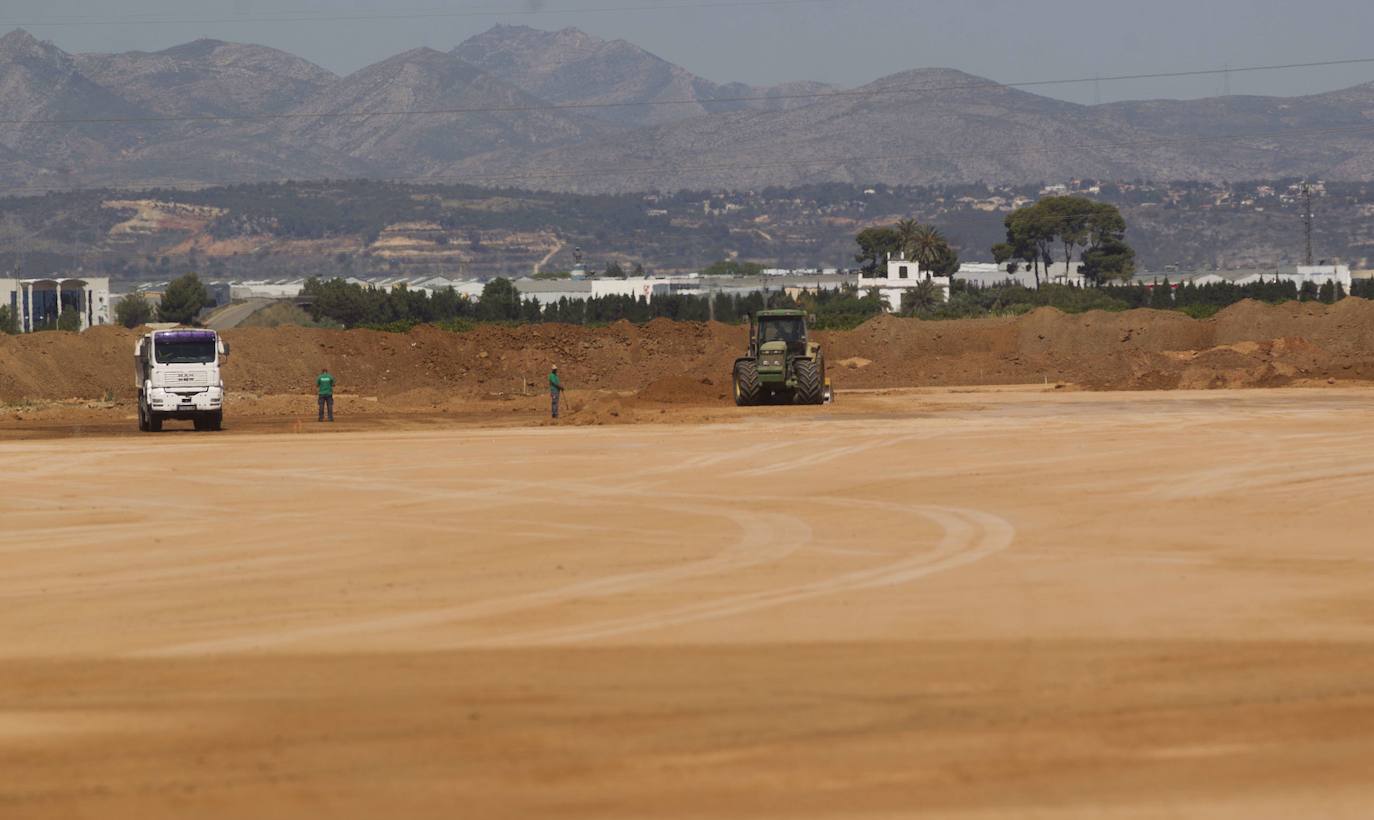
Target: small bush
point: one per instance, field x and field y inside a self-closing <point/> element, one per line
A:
<point x="281" y="314"/>
<point x="456" y="325"/>
<point x="398" y="326"/>
<point x="1198" y="311"/>
<point x="133" y="310"/>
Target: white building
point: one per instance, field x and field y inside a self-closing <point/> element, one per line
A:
<point x="902" y="276"/>
<point x="991" y="275"/>
<point x="267" y="289"/>
<point x="1321" y="274"/>
<point x="40" y="302"/>
<point x="1318" y="275"/>
<point x="636" y="286"/>
<point x="550" y="291"/>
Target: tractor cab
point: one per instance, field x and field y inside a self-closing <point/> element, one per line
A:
<point x="782" y="332"/>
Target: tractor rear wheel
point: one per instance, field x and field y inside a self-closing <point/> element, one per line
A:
<point x="747" y="387"/>
<point x="810" y="386"/>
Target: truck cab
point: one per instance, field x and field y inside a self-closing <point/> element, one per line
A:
<point x="177" y="373"/>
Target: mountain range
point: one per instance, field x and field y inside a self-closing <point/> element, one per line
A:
<point x="520" y="107"/>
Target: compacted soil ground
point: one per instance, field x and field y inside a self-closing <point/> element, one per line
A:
<point x="985" y="604"/>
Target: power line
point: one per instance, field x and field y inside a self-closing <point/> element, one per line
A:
<point x="490" y="180"/>
<point x="818" y="95"/>
<point x="417" y="14"/>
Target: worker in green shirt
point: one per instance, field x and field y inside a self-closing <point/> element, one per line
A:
<point x="324" y="385"/>
<point x="555" y="389"/>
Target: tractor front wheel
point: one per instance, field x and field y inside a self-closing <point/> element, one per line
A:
<point x="810" y="385"/>
<point x="747" y="387"/>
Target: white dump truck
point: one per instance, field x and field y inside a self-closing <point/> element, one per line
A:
<point x="178" y="377"/>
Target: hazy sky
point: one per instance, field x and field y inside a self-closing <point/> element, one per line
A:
<point x="847" y="42"/>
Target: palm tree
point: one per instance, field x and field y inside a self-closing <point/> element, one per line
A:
<point x="926" y="246"/>
<point x="921" y="298"/>
<point x="907" y="230"/>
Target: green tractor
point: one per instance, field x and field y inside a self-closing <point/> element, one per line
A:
<point x="782" y="365"/>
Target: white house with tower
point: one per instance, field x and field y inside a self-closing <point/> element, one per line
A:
<point x="40" y="302"/>
<point x="901" y="276"/>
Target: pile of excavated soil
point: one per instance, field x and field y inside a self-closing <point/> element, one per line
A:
<point x="683" y="389"/>
<point x="1248" y="344"/>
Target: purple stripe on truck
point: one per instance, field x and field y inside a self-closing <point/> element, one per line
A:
<point x="174" y="336"/>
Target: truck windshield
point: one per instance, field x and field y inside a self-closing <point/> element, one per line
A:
<point x="185" y="351"/>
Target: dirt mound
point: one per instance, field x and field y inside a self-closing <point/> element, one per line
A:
<point x="1345" y="327"/>
<point x="599" y="409"/>
<point x="677" y="362"/>
<point x="97" y="364"/>
<point x="683" y="390"/>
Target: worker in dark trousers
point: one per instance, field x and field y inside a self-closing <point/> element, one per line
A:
<point x="324" y="385"/>
<point x="555" y="389"/>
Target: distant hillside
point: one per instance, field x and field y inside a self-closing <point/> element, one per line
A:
<point x="385" y="229"/>
<point x="428" y="81"/>
<point x="568" y="111"/>
<point x="1317" y="135"/>
<point x="39" y="81"/>
<point x="571" y="66"/>
<point x="930" y="126"/>
<point x="208" y="77"/>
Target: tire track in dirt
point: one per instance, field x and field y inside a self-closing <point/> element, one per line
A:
<point x="969" y="536"/>
<point x="764" y="538"/>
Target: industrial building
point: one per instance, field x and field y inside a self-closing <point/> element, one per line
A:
<point x="40" y="302"/>
<point x="1299" y="275"/>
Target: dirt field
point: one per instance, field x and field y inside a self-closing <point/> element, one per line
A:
<point x="973" y="604"/>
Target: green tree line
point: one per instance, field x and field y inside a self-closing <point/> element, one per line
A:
<point x="1198" y="301"/>
<point x="356" y="305"/>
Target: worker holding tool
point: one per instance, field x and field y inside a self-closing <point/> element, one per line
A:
<point x="324" y="385"/>
<point x="555" y="389"/>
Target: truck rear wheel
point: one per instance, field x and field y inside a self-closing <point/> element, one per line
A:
<point x="747" y="387"/>
<point x="810" y="386"/>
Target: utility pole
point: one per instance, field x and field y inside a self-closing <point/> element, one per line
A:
<point x="1307" y="220"/>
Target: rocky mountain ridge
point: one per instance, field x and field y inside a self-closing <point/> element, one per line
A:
<point x="565" y="110"/>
